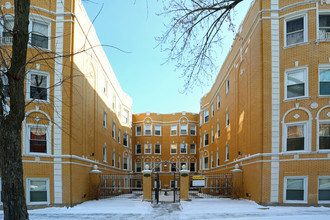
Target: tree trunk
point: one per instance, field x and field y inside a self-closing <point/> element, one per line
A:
<point x="13" y="196"/>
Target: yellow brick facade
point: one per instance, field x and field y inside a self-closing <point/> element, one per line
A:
<point x="244" y="118"/>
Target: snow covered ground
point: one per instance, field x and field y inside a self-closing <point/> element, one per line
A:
<point x="134" y="208"/>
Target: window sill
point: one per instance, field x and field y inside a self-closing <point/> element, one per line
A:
<point x="296" y="45"/>
<point x="38" y="101"/>
<point x="226" y="161"/>
<point x="296" y="98"/>
<point x="323" y="96"/>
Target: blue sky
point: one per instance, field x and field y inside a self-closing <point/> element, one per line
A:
<point x="132" y="25"/>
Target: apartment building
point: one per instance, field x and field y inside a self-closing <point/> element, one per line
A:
<point x="77" y="115"/>
<point x="165" y="137"/>
<point x="269" y="108"/>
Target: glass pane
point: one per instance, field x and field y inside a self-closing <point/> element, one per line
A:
<point x="295" y="38"/>
<point x="183" y="148"/>
<point x="37" y="185"/>
<point x="38" y="80"/>
<point x="324" y="143"/>
<point x="295" y="131"/>
<point x="324" y="20"/>
<point x="295" y="144"/>
<point x="324" y="88"/>
<point x="324" y="195"/>
<point x="296" y="77"/>
<point x="39" y="41"/>
<point x="38" y="196"/>
<point x="324" y="184"/>
<point x="295" y="184"/>
<point x="8" y="25"/>
<point x="325" y="75"/>
<point x="295" y="195"/>
<point x="295" y="25"/>
<point x="324" y="130"/>
<point x="40" y="29"/>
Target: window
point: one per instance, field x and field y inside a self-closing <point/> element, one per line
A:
<point x="7" y="37"/>
<point x="183" y="129"/>
<point x="173" y="148"/>
<point x="113" y="158"/>
<point x="212" y="109"/>
<point x="206" y="162"/>
<point x="158" y="130"/>
<point x="138" y="184"/>
<point x="125" y="163"/>
<point x="149" y="164"/>
<point x="114" y="103"/>
<point x="105" y="119"/>
<point x="173" y="130"/>
<point x="138" y="148"/>
<point x="157" y="149"/>
<point x="147" y="130"/>
<point x="227" y="118"/>
<point x="324" y="189"/>
<point x="105" y="86"/>
<point x="324" y="136"/>
<point x="200" y="141"/>
<point x="218" y="101"/>
<point x="113" y="133"/>
<point x="119" y="111"/>
<point x="39" y="35"/>
<point x="324" y="26"/>
<point x="173" y="184"/>
<point x="218" y="129"/>
<point x="147" y="148"/>
<point x="193" y="130"/>
<point x="181" y="165"/>
<point x="183" y="148"/>
<point x="5" y="84"/>
<point x="125" y="139"/>
<point x="104" y="153"/>
<point x="218" y="158"/>
<point x="138" y="130"/>
<point x="212" y="135"/>
<point x="192" y="167"/>
<point x="227" y="85"/>
<point x="138" y="167"/>
<point x="37" y="191"/>
<point x="295" y="139"/>
<point x="158" y="167"/>
<point x="206" y="116"/>
<point x="206" y="139"/>
<point x="173" y="167"/>
<point x="119" y="136"/>
<point x="295" y="31"/>
<point x="126" y="116"/>
<point x="192" y="148"/>
<point x="325" y="80"/>
<point x="38" y="136"/>
<point x="295" y="189"/>
<point x="119" y="161"/>
<point x="227" y="152"/>
<point x="212" y="162"/>
<point x="296" y="83"/>
<point x="38" y="83"/>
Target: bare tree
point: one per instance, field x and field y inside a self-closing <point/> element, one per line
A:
<point x="195" y="28"/>
<point x="14" y="65"/>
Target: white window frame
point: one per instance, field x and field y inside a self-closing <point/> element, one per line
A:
<point x="194" y="167"/>
<point x="125" y="135"/>
<point x="137" y="148"/>
<point x="160" y="167"/>
<point x="227" y="153"/>
<point x="126" y="116"/>
<point x="326" y="32"/>
<point x="212" y="160"/>
<point x="127" y="163"/>
<point x="113" y="162"/>
<point x="28" y="184"/>
<point x="288" y="71"/>
<point x="160" y="149"/>
<point x="212" y="135"/>
<point x="218" y="158"/>
<point x="145" y="129"/>
<point x="105" y="119"/>
<point x="306" y="138"/>
<point x="136" y="130"/>
<point x="176" y="148"/>
<point x="119" y="161"/>
<point x="144" y="148"/>
<point x="206" y="116"/>
<point x="305" y="178"/>
<point x="204" y="163"/>
<point x="105" y="153"/>
<point x="160" y="130"/>
<point x="136" y="166"/>
<point x="227" y="85"/>
<point x="218" y="101"/>
<point x="147" y="163"/>
<point x="218" y="129"/>
<point x="113" y="132"/>
<point x="305" y="35"/>
<point x="318" y="134"/>
<point x="183" y="127"/>
<point x="193" y="128"/>
<point x="9" y="41"/>
<point x="172" y="129"/>
<point x="323" y="66"/>
<point x="44" y="21"/>
<point x="227" y="118"/>
<point x="181" y="165"/>
<point x="208" y="139"/>
<point x="182" y="144"/>
<point x="318" y="188"/>
<point x="48" y="139"/>
<point x="119" y="136"/>
<point x="212" y="109"/>
<point x="28" y="84"/>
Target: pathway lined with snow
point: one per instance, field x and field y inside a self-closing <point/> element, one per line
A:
<point x="134" y="208"/>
